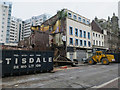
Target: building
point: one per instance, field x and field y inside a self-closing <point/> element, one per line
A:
<point x="16" y="31"/>
<point x="98" y="39"/>
<point x="19" y="30"/>
<point x="38" y="41"/>
<point x="34" y="21"/>
<point x="5" y="15"/>
<point x="98" y="36"/>
<point x="78" y="35"/>
<point x="71" y="34"/>
<point x="110" y="28"/>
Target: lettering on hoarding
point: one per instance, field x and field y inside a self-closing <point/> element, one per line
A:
<point x="24" y="55"/>
<point x="31" y="55"/>
<point x="16" y="55"/>
<point x="27" y="62"/>
<point x="16" y="60"/>
<point x="38" y="55"/>
<point x="23" y="60"/>
<point x="31" y="66"/>
<point x="8" y="60"/>
<point x="38" y="60"/>
<point x="15" y="67"/>
<point x="44" y="60"/>
<point x="38" y="65"/>
<point x="31" y="60"/>
<point x="23" y="66"/>
<point x="50" y="59"/>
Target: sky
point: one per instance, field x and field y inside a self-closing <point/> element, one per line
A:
<point x="25" y="9"/>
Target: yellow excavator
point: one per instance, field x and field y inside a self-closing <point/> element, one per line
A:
<point x="99" y="57"/>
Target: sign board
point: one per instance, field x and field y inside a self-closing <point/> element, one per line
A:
<point x="64" y="38"/>
<point x="18" y="61"/>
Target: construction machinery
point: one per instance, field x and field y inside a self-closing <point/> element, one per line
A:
<point x="100" y="57"/>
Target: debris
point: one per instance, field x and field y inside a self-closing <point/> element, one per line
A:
<point x="63" y="67"/>
<point x="16" y="85"/>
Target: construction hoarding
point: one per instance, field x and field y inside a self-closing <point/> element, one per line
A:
<point x="18" y="62"/>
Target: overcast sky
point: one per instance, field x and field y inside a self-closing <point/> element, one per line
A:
<point x="25" y="9"/>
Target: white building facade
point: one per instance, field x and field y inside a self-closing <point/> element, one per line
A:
<point x="16" y="31"/>
<point x="5" y="15"/>
<point x="34" y="21"/>
<point x="78" y="35"/>
<point x="97" y="39"/>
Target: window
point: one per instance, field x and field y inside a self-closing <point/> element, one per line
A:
<point x="99" y="43"/>
<point x="69" y="15"/>
<point x="89" y="44"/>
<point x="81" y="42"/>
<point x="2" y="26"/>
<point x="93" y="34"/>
<point x="102" y="44"/>
<point x="10" y="10"/>
<point x="79" y="19"/>
<point x="71" y="30"/>
<point x="96" y="35"/>
<point x="3" y="14"/>
<point x="93" y="42"/>
<point x="96" y="42"/>
<point x="83" y="20"/>
<point x="80" y="33"/>
<point x="88" y="22"/>
<point x="75" y="17"/>
<point x="7" y="38"/>
<point x="71" y="41"/>
<point x="76" y="42"/>
<point x="76" y="32"/>
<point x="3" y="10"/>
<point x="85" y="43"/>
<point x="102" y="37"/>
<point x="84" y="34"/>
<point x="7" y="34"/>
<point x="99" y="36"/>
<point x="88" y="35"/>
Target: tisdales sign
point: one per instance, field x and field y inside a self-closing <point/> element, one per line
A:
<point x="31" y="62"/>
<point x="26" y="60"/>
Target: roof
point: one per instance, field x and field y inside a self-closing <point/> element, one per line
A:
<point x="96" y="27"/>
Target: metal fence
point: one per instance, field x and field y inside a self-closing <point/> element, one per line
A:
<point x="18" y="62"/>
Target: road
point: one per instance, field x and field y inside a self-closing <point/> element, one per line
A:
<point x="83" y="76"/>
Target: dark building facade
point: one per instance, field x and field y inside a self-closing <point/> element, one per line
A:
<point x="112" y="37"/>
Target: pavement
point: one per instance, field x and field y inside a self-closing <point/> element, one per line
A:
<point x="82" y="76"/>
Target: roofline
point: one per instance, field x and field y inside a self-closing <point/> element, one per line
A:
<point x="76" y="13"/>
<point x="98" y="25"/>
